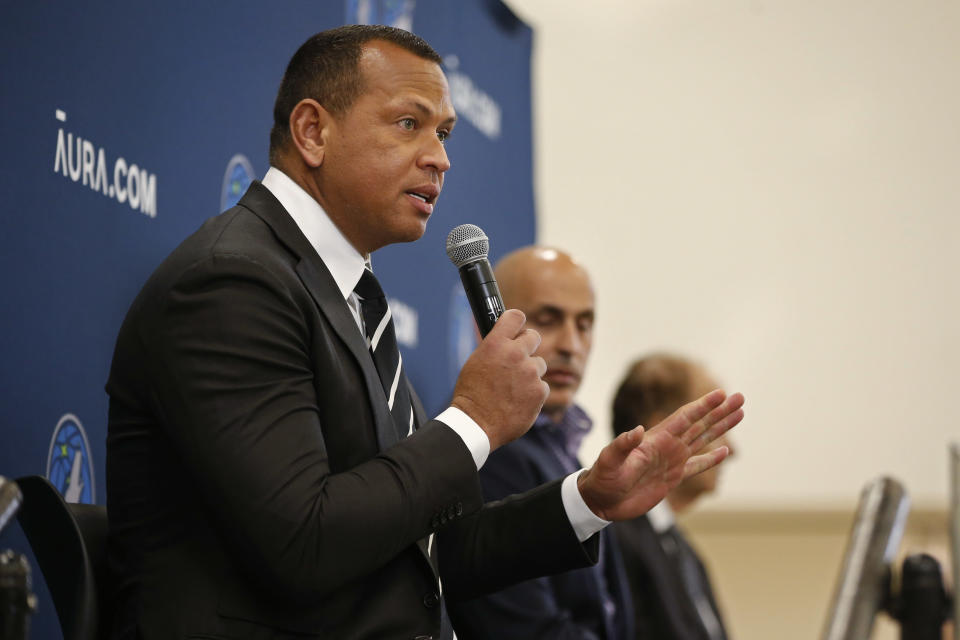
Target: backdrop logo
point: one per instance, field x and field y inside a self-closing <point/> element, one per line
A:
<point x="393" y="13"/>
<point x="81" y="161"/>
<point x="236" y="179"/>
<point x="69" y="466"/>
<point x="406" y="323"/>
<point x="462" y="336"/>
<point x="472" y="102"/>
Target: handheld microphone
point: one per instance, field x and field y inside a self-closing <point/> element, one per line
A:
<point x="467" y="248"/>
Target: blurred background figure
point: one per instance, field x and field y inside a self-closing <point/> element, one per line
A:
<point x="556" y="294"/>
<point x="672" y="595"/>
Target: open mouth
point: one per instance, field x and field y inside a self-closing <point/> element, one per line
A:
<point x="427" y="196"/>
<point x="426" y="193"/>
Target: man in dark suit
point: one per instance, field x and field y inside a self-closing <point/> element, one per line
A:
<point x="592" y="603"/>
<point x="270" y="472"/>
<point x="673" y="597"/>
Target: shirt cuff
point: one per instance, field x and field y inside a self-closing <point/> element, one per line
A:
<point x="585" y="522"/>
<point x="470" y="432"/>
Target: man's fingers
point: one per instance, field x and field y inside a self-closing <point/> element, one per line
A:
<point x="510" y="327"/>
<point x="717" y="430"/>
<point x="541" y="365"/>
<point x="617" y="451"/>
<point x="716" y="416"/>
<point x="545" y="391"/>
<point x="509" y="324"/>
<point x="628" y="441"/>
<point x="704" y="461"/>
<point x="689" y="414"/>
<point x="530" y="340"/>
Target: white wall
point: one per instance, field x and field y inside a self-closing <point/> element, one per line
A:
<point x="774" y="188"/>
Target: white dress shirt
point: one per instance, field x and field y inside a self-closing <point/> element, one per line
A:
<point x="661" y="516"/>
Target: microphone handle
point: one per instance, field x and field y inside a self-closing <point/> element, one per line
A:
<point x="483" y="293"/>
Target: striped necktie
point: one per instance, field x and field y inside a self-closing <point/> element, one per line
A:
<point x="382" y="342"/>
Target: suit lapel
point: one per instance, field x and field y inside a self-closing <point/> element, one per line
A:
<point x="419" y="413"/>
<point x="325" y="293"/>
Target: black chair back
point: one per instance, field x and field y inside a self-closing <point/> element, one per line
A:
<point x="69" y="542"/>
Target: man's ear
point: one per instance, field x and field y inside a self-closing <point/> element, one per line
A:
<point x="309" y="129"/>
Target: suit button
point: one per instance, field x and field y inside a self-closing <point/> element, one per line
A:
<point x="431" y="600"/>
<point x="459" y="508"/>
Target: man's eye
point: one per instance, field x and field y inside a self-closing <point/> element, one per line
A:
<point x="544" y="320"/>
<point x="443" y="135"/>
<point x="408" y="123"/>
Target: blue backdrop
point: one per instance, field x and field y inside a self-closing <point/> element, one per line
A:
<point x="125" y="125"/>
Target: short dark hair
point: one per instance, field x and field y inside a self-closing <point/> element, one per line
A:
<point x="326" y="68"/>
<point x="657" y="384"/>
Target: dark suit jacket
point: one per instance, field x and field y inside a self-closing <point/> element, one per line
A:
<point x="662" y="608"/>
<point x="255" y="483"/>
<point x="565" y="606"/>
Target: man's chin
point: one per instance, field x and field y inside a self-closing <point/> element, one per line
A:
<point x="557" y="403"/>
<point x="414" y="231"/>
<point x="409" y="233"/>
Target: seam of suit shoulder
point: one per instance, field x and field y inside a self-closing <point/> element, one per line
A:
<point x="216" y="252"/>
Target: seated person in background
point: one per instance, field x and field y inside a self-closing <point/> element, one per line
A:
<point x="592" y="603"/>
<point x="672" y="596"/>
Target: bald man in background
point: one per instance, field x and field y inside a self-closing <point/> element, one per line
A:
<point x="556" y="295"/>
<point x="672" y="595"/>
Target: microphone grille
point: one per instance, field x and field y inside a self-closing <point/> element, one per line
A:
<point x="467" y="243"/>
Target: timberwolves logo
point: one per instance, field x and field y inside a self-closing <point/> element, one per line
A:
<point x="236" y="179"/>
<point x="393" y="13"/>
<point x="69" y="467"/>
<point x="462" y="339"/>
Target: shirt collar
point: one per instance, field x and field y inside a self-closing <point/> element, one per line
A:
<point x="345" y="263"/>
<point x="571" y="429"/>
<point x="661" y="516"/>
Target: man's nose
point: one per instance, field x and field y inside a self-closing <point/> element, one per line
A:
<point x="570" y="341"/>
<point x="434" y="155"/>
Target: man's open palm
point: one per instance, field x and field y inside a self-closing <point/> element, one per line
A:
<point x="637" y="470"/>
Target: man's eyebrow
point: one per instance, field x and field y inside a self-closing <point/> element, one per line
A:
<point x="548" y="308"/>
<point x="426" y="110"/>
<point x="554" y="310"/>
